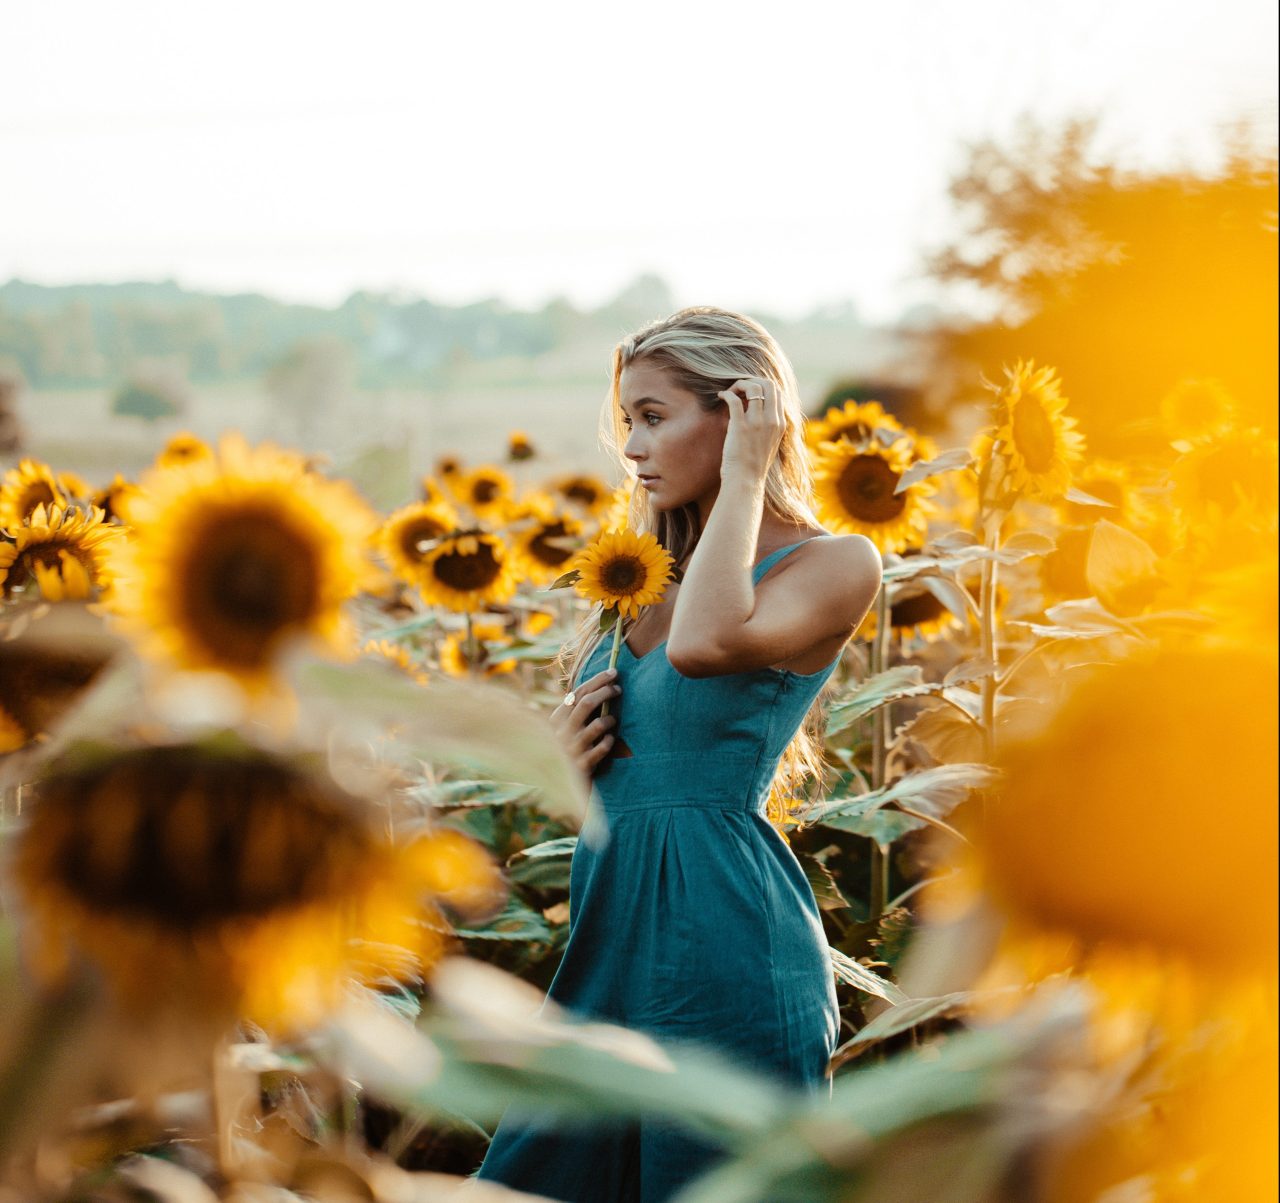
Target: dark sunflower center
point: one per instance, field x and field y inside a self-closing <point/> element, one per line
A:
<point x="186" y="841"/>
<point x="622" y="575"/>
<point x="583" y="491"/>
<point x="38" y="492"/>
<point x="1033" y="434"/>
<point x="545" y="551"/>
<point x="249" y="578"/>
<point x="466" y="573"/>
<point x="22" y="572"/>
<point x="866" y="490"/>
<point x="856" y="430"/>
<point x="924" y="607"/>
<point x="415" y="535"/>
<point x="484" y="491"/>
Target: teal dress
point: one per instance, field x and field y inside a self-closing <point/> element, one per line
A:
<point x="690" y="918"/>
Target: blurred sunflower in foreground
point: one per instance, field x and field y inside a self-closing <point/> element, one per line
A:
<point x="1132" y="841"/>
<point x="230" y="557"/>
<point x="213" y="881"/>
<point x="854" y="492"/>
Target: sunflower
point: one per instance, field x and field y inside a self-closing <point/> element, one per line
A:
<point x="623" y="569"/>
<point x="75" y="485"/>
<point x="406" y="537"/>
<point x="183" y="448"/>
<point x="61" y="552"/>
<point x="28" y="485"/>
<point x="590" y="493"/>
<point x="232" y="557"/>
<point x="219" y="881"/>
<point x="487" y="491"/>
<point x="1036" y="439"/>
<point x="518" y="446"/>
<point x="450" y="472"/>
<point x="114" y="499"/>
<point x="1226" y="474"/>
<point x="490" y="637"/>
<point x="1128" y="731"/>
<point x="469" y="570"/>
<point x="860" y="421"/>
<point x="546" y="547"/>
<point x="1197" y="410"/>
<point x="921" y="615"/>
<point x="1107" y="480"/>
<point x="48" y="656"/>
<point x="397" y="654"/>
<point x="854" y="491"/>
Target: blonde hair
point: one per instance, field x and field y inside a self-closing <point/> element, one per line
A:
<point x="704" y="350"/>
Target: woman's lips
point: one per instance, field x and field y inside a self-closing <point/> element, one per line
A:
<point x="647" y="481"/>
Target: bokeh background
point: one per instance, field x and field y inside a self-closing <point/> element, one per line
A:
<point x="388" y="236"/>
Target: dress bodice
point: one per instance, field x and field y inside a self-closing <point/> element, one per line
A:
<point x="700" y="741"/>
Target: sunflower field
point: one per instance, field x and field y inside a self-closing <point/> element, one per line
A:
<point x="286" y="836"/>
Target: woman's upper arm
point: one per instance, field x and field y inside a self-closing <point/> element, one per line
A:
<point x="827" y="589"/>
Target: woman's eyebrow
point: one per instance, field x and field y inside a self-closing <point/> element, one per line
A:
<point x="643" y="401"/>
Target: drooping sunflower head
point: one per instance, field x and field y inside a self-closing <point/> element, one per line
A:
<point x="487" y="490"/>
<point x="1037" y="439"/>
<point x="28" y="485"/>
<point x="221" y="880"/>
<point x="231" y="558"/>
<point x="406" y="538"/>
<point x="860" y="421"/>
<point x="518" y="446"/>
<point x="1197" y="409"/>
<point x="183" y="448"/>
<point x="469" y="570"/>
<point x="854" y="490"/>
<point x="62" y="554"/>
<point x="623" y="569"/>
<point x="547" y="546"/>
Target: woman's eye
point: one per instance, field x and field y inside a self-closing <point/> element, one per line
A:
<point x="654" y="417"/>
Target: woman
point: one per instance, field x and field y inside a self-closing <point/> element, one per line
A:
<point x="690" y="917"/>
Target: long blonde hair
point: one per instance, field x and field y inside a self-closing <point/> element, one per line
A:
<point x="704" y="350"/>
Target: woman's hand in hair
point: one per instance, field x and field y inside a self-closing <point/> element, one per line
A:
<point x="585" y="737"/>
<point x="755" y="429"/>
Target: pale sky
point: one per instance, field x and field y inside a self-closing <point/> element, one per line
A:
<point x="772" y="162"/>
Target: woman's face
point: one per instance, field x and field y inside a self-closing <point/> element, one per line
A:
<point x="675" y="445"/>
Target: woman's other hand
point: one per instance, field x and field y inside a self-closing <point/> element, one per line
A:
<point x="755" y="429"/>
<point x="586" y="738"/>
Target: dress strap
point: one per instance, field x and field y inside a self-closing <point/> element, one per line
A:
<point x="774" y="556"/>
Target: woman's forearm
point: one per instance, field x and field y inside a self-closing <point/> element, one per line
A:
<point x="716" y="595"/>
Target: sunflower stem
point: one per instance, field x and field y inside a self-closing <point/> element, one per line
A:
<point x="471" y="647"/>
<point x="879" y="757"/>
<point x="613" y="656"/>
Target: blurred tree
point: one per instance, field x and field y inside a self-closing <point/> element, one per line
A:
<point x="1127" y="283"/>
<point x="153" y="391"/>
<point x="11" y="434"/>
